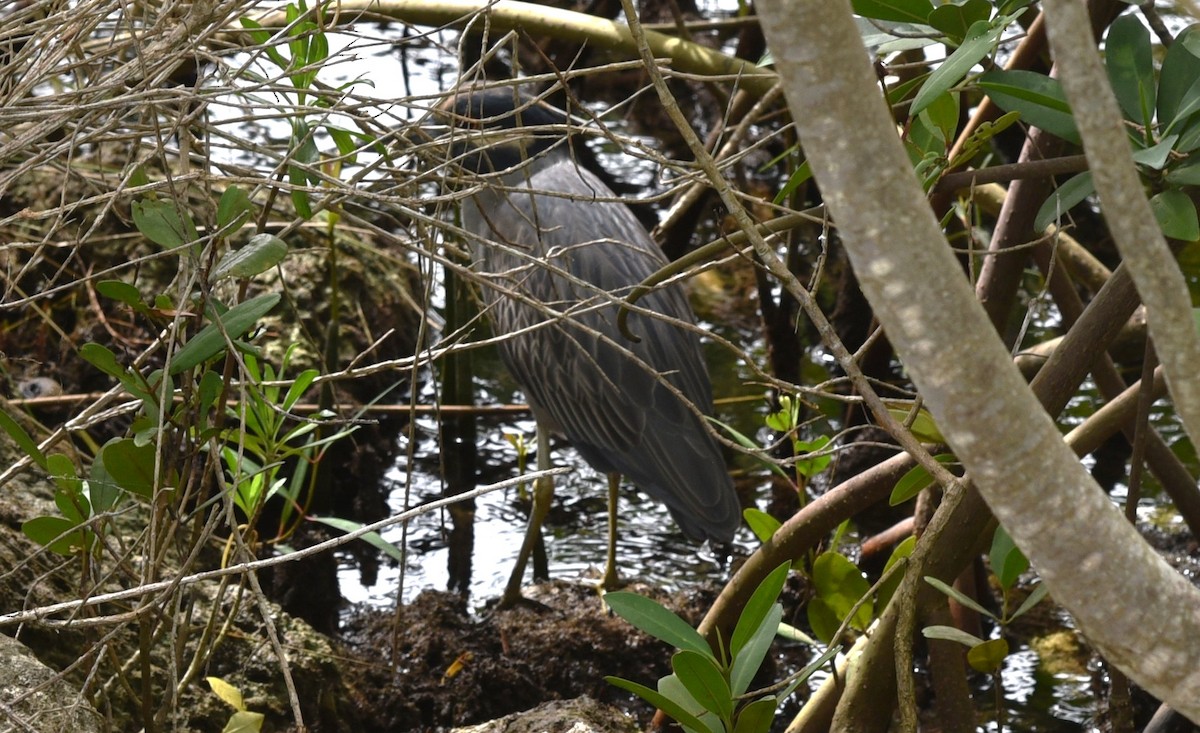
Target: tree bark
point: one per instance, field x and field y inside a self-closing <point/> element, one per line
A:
<point x="1093" y="561"/>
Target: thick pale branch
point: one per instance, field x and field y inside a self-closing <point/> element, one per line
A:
<point x="541" y="20"/>
<point x="1012" y="449"/>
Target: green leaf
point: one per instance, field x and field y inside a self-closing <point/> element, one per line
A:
<point x="68" y="497"/>
<point x="162" y="223"/>
<point x="100" y="357"/>
<point x="956" y="18"/>
<point x="130" y="465"/>
<point x="949" y="633"/>
<point x="913" y="482"/>
<point x="233" y="209"/>
<point x="660" y="701"/>
<point x="657" y="621"/>
<point x="228" y="694"/>
<point x="1186" y="175"/>
<point x="763" y="525"/>
<point x="958" y="596"/>
<point x="980" y="41"/>
<point x="1130" y="66"/>
<point x="791" y="633"/>
<point x="756" y="717"/>
<point x="23" y="440"/>
<point x="1156" y="156"/>
<point x="260" y="254"/>
<point x="916" y="480"/>
<point x="210" y="390"/>
<point x="808" y="463"/>
<point x="988" y="656"/>
<point x="703" y="679"/>
<point x="1179" y="81"/>
<point x="942" y="117"/>
<point x="1010" y="6"/>
<point x="299" y="385"/>
<point x="1176" y="215"/>
<point x="1008" y="562"/>
<point x="672" y="687"/>
<point x="244" y="721"/>
<point x="210" y="341"/>
<point x="1036" y="97"/>
<point x="1064" y="197"/>
<point x="1031" y="600"/>
<point x="56" y="534"/>
<point x="756" y="610"/>
<point x="344" y="140"/>
<point x="103" y="492"/>
<point x="902" y="11"/>
<point x="838" y="585"/>
<point x="794" y="181"/>
<point x="923" y="426"/>
<point x="748" y="660"/>
<point x="372" y="538"/>
<point x="121" y="291"/>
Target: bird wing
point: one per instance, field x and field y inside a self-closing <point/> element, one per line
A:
<point x="565" y="266"/>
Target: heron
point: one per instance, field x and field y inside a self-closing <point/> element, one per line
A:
<point x="557" y="250"/>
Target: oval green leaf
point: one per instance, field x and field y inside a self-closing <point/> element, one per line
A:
<point x="756" y="717"/>
<point x="1130" y="66"/>
<point x="1176" y="215"/>
<point x="704" y="680"/>
<point x="131" y="466"/>
<point x="260" y="254"/>
<point x="988" y="656"/>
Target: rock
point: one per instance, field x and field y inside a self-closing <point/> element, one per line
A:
<point x="580" y="715"/>
<point x="34" y="698"/>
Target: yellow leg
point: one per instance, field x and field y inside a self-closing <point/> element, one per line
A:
<point x="611" y="580"/>
<point x="543" y="495"/>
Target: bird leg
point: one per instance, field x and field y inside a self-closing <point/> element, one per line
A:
<point x="611" y="580"/>
<point x="543" y="495"/>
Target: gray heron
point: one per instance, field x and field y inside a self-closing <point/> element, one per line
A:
<point x="556" y="252"/>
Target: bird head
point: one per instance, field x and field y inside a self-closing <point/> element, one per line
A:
<point x="499" y="128"/>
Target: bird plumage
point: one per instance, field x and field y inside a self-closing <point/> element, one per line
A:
<point x="557" y="253"/>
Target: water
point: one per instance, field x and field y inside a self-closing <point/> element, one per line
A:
<point x="651" y="548"/>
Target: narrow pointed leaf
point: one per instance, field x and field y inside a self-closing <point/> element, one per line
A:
<point x="657" y="621"/>
<point x="1031" y="600"/>
<point x="980" y="41"/>
<point x="210" y="341"/>
<point x="747" y="661"/>
<point x="949" y="633"/>
<point x="958" y="596"/>
<point x="660" y="701"/>
<point x="758" y="608"/>
<point x="23" y="440"/>
<point x="372" y="538"/>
